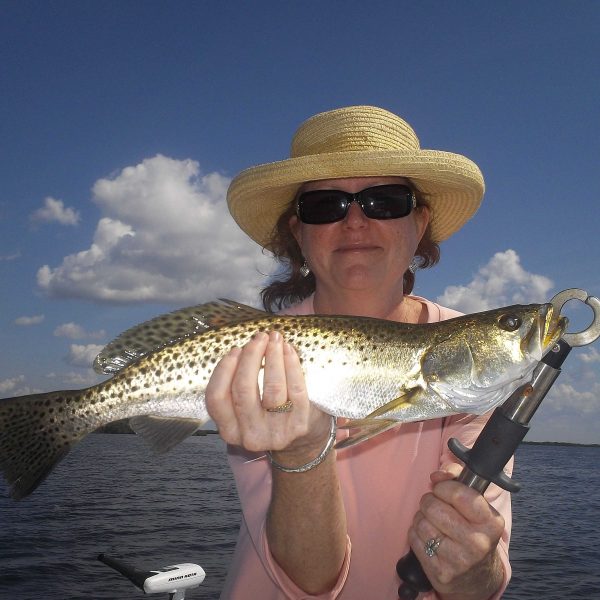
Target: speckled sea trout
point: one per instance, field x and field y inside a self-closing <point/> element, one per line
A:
<point x="376" y="373"/>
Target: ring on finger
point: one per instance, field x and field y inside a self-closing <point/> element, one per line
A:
<point x="432" y="545"/>
<point x="281" y="408"/>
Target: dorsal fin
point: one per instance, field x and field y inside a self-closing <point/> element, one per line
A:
<point x="168" y="328"/>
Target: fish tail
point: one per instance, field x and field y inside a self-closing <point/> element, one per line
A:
<point x="34" y="437"/>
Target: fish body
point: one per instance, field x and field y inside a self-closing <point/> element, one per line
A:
<point x="374" y="372"/>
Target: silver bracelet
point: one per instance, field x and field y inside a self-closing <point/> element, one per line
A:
<point x="315" y="461"/>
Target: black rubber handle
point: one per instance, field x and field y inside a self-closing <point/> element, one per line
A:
<point x="411" y="572"/>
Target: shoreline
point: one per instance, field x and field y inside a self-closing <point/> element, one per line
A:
<point x="531" y="443"/>
<point x="123" y="427"/>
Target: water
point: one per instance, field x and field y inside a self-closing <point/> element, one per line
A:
<point x="555" y="547"/>
<point x="111" y="495"/>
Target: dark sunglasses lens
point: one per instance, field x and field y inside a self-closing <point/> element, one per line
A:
<point x="322" y="206"/>
<point x="387" y="202"/>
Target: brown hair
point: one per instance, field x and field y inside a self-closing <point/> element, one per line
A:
<point x="291" y="286"/>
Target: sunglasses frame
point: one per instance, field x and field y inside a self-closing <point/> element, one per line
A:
<point x="358" y="198"/>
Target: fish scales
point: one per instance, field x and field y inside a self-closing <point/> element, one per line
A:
<point x="360" y="351"/>
<point x="376" y="371"/>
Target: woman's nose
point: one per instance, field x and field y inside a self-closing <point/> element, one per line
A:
<point x="355" y="217"/>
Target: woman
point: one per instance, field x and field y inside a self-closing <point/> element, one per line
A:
<point x="350" y="214"/>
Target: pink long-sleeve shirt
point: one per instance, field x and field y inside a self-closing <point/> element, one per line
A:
<point x="382" y="482"/>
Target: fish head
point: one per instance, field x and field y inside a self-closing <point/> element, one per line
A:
<point x="490" y="354"/>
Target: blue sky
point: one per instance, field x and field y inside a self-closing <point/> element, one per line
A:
<point x="123" y="122"/>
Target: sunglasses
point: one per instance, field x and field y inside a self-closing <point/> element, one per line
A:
<point x="319" y="207"/>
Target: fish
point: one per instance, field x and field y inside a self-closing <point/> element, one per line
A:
<point x="372" y="372"/>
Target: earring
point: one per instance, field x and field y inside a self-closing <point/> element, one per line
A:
<point x="415" y="264"/>
<point x="304" y="270"/>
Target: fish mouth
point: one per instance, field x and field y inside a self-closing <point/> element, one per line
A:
<point x="547" y="328"/>
<point x="551" y="326"/>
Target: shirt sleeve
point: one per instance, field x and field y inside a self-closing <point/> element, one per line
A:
<point x="288" y="587"/>
<point x="253" y="480"/>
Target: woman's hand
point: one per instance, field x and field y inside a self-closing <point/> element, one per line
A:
<point x="234" y="401"/>
<point x="465" y="564"/>
<point x="306" y="521"/>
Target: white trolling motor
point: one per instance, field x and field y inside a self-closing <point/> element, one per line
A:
<point x="173" y="579"/>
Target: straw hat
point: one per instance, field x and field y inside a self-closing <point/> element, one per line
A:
<point x="357" y="141"/>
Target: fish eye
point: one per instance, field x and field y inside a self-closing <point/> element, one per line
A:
<point x="509" y="322"/>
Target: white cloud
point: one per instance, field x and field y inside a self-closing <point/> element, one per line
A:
<point x="571" y="411"/>
<point x="10" y="257"/>
<point x="16" y="386"/>
<point x="501" y="282"/>
<point x="28" y="321"/>
<point x="80" y="380"/>
<point x="165" y="236"/>
<point x="10" y="384"/>
<point x="564" y="396"/>
<point x="77" y="332"/>
<point x="590" y="356"/>
<point x="83" y="355"/>
<point x="54" y="211"/>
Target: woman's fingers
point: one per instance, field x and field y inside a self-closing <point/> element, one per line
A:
<point x="218" y="397"/>
<point x="455" y="531"/>
<point x="257" y="396"/>
<point x="274" y="387"/>
<point x="245" y="395"/>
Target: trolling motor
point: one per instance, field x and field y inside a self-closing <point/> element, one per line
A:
<point x="173" y="580"/>
<point x="502" y="434"/>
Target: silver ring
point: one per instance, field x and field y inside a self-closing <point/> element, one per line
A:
<point x="432" y="545"/>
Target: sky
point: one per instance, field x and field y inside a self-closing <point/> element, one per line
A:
<point x="122" y="124"/>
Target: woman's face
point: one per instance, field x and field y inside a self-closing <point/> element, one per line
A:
<point x="359" y="253"/>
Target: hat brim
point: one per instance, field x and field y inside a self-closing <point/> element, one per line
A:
<point x="451" y="183"/>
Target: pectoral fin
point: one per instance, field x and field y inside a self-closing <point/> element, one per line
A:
<point x="372" y="424"/>
<point x="163" y="433"/>
<point x="395" y="404"/>
<point x="363" y="430"/>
